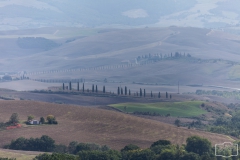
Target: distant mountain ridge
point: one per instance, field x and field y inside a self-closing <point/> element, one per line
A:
<point x="26" y="14"/>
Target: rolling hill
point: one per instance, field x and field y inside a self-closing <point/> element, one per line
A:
<point x="214" y="54"/>
<point x="94" y="125"/>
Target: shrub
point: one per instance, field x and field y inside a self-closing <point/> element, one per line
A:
<point x="161" y="142"/>
<point x="45" y="144"/>
<point x="60" y="148"/>
<point x="139" y="154"/>
<point x="99" y="155"/>
<point x="55" y="156"/>
<point x="167" y="155"/>
<point x="82" y="147"/>
<point x="51" y="119"/>
<point x="30" y="117"/>
<point x="190" y="156"/>
<point x="130" y="147"/>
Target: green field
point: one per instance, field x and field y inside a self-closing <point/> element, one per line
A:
<point x="176" y="109"/>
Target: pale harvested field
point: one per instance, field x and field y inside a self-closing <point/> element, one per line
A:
<point x="94" y="125"/>
<point x="19" y="155"/>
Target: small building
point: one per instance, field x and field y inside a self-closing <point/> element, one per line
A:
<point x="34" y="122"/>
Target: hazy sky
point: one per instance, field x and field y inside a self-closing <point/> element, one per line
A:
<point x="15" y="14"/>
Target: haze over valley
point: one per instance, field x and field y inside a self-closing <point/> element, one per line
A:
<point x="120" y="79"/>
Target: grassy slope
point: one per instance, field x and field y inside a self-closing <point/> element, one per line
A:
<point x="176" y="109"/>
<point x="93" y="125"/>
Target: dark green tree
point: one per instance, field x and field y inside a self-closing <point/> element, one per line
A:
<point x="130" y="147"/>
<point x="99" y="155"/>
<point x="96" y="89"/>
<point x="47" y="144"/>
<point x="78" y="86"/>
<point x="167" y="155"/>
<point x="93" y="88"/>
<point x="140" y="92"/>
<point x="125" y="90"/>
<point x="190" y="156"/>
<point x="121" y="91"/>
<point x="14" y="118"/>
<point x="159" y="95"/>
<point x="198" y="145"/>
<point x="42" y="120"/>
<point x="161" y="142"/>
<point x="129" y="92"/>
<point x="166" y="95"/>
<point x="144" y="93"/>
<point x="72" y="147"/>
<point x="118" y="91"/>
<point x="55" y="156"/>
<point x="63" y="87"/>
<point x="170" y="96"/>
<point x="82" y="147"/>
<point x="83" y="87"/>
<point x="151" y="94"/>
<point x="145" y="154"/>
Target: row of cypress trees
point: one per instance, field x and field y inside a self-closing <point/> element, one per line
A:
<point x="141" y="93"/>
<point x="69" y="87"/>
<point x="120" y="91"/>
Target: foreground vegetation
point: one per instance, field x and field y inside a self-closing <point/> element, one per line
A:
<point x="196" y="148"/>
<point x="227" y="125"/>
<point x="175" y="109"/>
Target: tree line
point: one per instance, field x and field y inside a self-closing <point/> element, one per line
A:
<point x="196" y="148"/>
<point x="120" y="91"/>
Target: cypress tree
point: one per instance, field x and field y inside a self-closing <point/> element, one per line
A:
<point x="151" y="94"/>
<point x="63" y="86"/>
<point x="166" y="95"/>
<point x="144" y="93"/>
<point x="83" y="87"/>
<point x="93" y="88"/>
<point x="118" y="91"/>
<point x="159" y="95"/>
<point x="129" y="92"/>
<point x="103" y="89"/>
<point x="70" y="85"/>
<point x="170" y="96"/>
<point x="125" y="90"/>
<point x="140" y="92"/>
<point x="78" y="86"/>
<point x="96" y="89"/>
<point x="121" y="91"/>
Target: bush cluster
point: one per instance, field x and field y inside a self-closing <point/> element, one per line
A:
<point x="196" y="148"/>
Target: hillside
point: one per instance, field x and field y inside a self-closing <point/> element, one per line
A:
<point x="94" y="125"/>
<point x="96" y="54"/>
